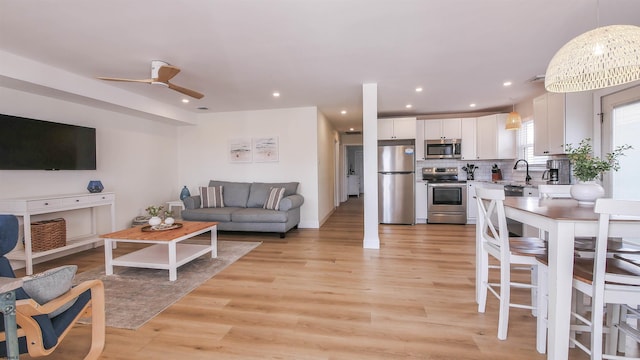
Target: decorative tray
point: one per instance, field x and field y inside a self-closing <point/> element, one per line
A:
<point x="161" y="227"/>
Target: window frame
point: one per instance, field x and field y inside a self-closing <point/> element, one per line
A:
<point x="525" y="141"/>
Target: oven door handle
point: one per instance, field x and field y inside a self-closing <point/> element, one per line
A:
<point x="446" y="184"/>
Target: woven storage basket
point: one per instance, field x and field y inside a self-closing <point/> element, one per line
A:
<point x="48" y="234"/>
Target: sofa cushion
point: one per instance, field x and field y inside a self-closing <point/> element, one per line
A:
<point x="260" y="191"/>
<point x="274" y="198"/>
<point x="259" y="215"/>
<point x="235" y="193"/>
<point x="211" y="196"/>
<point x="209" y="214"/>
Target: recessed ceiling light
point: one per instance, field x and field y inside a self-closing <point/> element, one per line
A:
<point x="408" y="106"/>
<point x="419" y="89"/>
<point x="507" y="83"/>
<point x="472" y="105"/>
<point x="185" y="100"/>
<point x="276" y="94"/>
<point x="343" y="112"/>
<point x="351" y="129"/>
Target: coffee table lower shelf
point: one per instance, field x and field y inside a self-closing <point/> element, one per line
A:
<point x="157" y="256"/>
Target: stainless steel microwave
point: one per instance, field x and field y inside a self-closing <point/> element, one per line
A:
<point x="442" y="149"/>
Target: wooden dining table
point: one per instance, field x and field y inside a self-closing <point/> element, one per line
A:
<point x="563" y="219"/>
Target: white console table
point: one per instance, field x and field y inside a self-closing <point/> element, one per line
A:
<point x="26" y="207"/>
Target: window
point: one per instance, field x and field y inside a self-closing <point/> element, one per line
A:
<point x="525" y="146"/>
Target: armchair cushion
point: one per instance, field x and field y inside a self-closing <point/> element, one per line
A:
<point x="50" y="284"/>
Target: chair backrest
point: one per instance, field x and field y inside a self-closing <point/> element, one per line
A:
<point x="554" y="191"/>
<point x="611" y="209"/>
<point x="8" y="239"/>
<point x="491" y="212"/>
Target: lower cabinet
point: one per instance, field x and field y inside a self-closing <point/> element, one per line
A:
<point x="472" y="206"/>
<point x="421" y="202"/>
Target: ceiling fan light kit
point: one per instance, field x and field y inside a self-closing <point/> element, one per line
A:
<point x="161" y="73"/>
<point x="600" y="58"/>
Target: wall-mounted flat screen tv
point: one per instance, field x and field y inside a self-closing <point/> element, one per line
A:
<point x="29" y="144"/>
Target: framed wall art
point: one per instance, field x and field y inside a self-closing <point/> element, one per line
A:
<point x="240" y="150"/>
<point x="265" y="149"/>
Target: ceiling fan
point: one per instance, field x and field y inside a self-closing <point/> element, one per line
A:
<point x="161" y="73"/>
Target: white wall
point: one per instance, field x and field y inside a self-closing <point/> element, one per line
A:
<point x="136" y="159"/>
<point x="327" y="137"/>
<point x="203" y="152"/>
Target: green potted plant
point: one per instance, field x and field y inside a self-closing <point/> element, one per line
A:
<point x="154" y="212"/>
<point x="587" y="168"/>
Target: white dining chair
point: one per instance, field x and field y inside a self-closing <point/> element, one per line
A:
<point x="608" y="281"/>
<point x="509" y="251"/>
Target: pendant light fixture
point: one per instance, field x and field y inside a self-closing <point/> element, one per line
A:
<point x="514" y="121"/>
<point x="603" y="57"/>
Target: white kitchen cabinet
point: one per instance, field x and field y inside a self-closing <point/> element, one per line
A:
<point x="438" y="129"/>
<point x="530" y="191"/>
<point x="561" y="119"/>
<point x="528" y="230"/>
<point x="397" y="128"/>
<point x="468" y="137"/>
<point x="493" y="141"/>
<point x="472" y="205"/>
<point x="421" y="202"/>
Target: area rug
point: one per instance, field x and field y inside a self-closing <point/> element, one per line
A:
<point x="134" y="296"/>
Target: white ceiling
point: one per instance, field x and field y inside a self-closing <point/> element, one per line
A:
<point x="314" y="52"/>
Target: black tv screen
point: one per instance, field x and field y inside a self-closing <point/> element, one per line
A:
<point x="29" y="144"/>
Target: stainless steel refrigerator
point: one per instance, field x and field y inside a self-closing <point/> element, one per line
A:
<point x="396" y="181"/>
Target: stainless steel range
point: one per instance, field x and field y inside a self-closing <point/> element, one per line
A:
<point x="446" y="196"/>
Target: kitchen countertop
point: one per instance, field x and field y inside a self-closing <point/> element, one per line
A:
<point x="532" y="183"/>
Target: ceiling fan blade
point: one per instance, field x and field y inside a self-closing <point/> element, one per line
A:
<point x="148" y="81"/>
<point x="166" y="72"/>
<point x="185" y="91"/>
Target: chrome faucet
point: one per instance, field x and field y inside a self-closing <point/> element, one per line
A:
<point x="527" y="179"/>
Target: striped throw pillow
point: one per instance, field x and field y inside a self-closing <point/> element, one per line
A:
<point x="211" y="197"/>
<point x="273" y="200"/>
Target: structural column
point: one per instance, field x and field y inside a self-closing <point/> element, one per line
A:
<point x="370" y="157"/>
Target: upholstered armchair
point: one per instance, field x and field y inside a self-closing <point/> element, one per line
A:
<point x="47" y="305"/>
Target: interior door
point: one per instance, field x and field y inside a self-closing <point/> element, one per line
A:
<point x="621" y="125"/>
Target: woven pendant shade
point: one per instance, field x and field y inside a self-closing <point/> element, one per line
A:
<point x="514" y="122"/>
<point x="600" y="58"/>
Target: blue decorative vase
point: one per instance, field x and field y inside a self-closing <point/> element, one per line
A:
<point x="95" y="186"/>
<point x="184" y="193"/>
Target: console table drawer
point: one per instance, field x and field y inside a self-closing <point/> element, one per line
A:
<point x="43" y="204"/>
<point x="99" y="198"/>
<point x="79" y="200"/>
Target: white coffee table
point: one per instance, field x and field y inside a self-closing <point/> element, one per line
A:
<point x="166" y="252"/>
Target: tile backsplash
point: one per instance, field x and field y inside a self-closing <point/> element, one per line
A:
<point x="483" y="173"/>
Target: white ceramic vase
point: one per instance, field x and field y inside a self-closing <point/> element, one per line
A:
<point x="155" y="221"/>
<point x="587" y="192"/>
<point x="169" y="220"/>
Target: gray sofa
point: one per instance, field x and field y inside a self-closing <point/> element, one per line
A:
<point x="243" y="208"/>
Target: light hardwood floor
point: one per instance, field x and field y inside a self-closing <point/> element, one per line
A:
<point x="317" y="294"/>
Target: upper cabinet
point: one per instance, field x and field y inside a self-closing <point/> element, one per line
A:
<point x="493" y="141"/>
<point x="438" y="129"/>
<point x="397" y="128"/>
<point x="468" y="137"/>
<point x="561" y="119"/>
